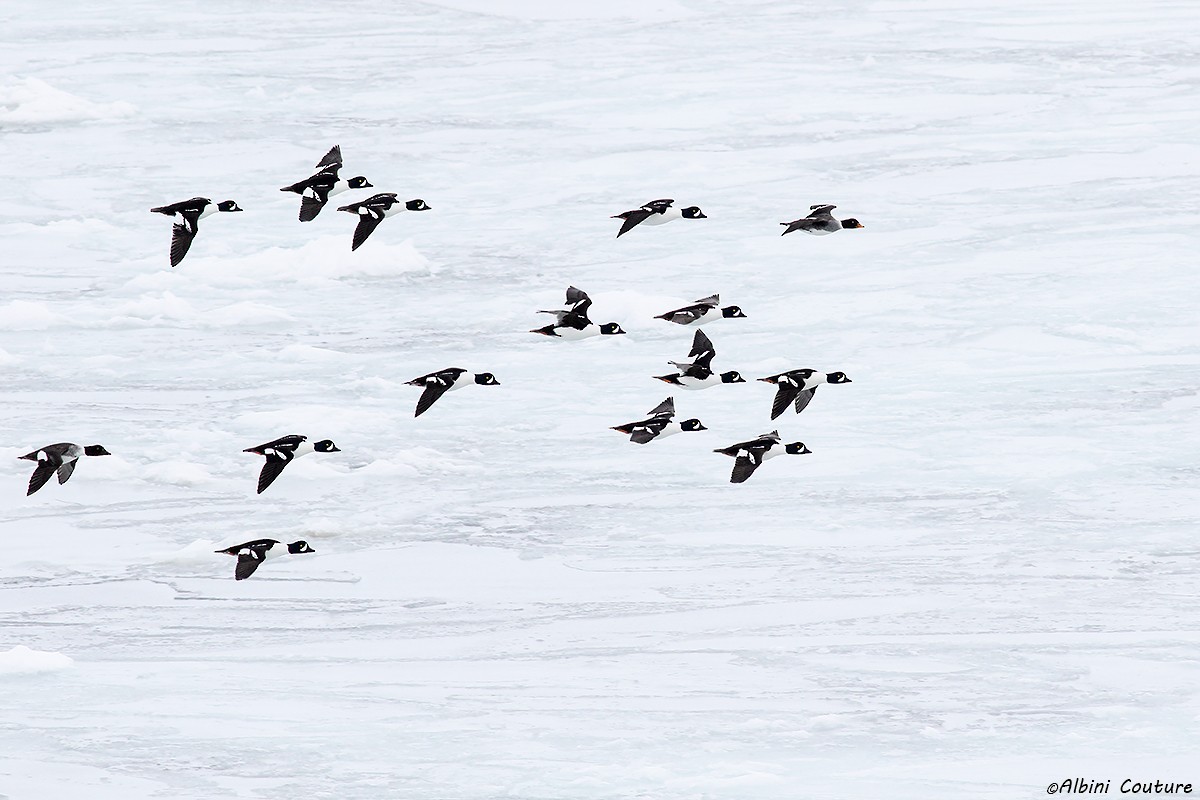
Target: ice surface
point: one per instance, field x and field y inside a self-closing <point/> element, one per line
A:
<point x="981" y="581"/>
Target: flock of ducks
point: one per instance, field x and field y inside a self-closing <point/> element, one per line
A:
<point x="793" y="388"/>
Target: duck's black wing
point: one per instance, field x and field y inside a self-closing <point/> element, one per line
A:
<point x="278" y="453"/>
<point x="367" y="223"/>
<point x="181" y="240"/>
<point x="580" y="305"/>
<point x="702" y="351"/>
<point x="331" y="159"/>
<point x="632" y="219"/>
<point x="804" y="398"/>
<point x="311" y="204"/>
<point x="316" y="195"/>
<point x="666" y="407"/>
<point x="820" y="210"/>
<point x="247" y="562"/>
<point x="702" y="346"/>
<point x="658" y="206"/>
<point x="376" y="207"/>
<point x="436" y="384"/>
<point x="784" y="395"/>
<point x="271" y="469"/>
<point x="577" y="316"/>
<point x="41" y="474"/>
<point x="577" y="296"/>
<point x="433" y="390"/>
<point x="65" y="470"/>
<point x="744" y="466"/>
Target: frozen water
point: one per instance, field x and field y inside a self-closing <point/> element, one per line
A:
<point x="981" y="581"/>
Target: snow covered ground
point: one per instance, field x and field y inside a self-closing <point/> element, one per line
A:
<point x="982" y="580"/>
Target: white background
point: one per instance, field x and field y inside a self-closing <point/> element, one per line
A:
<point x="982" y="580"/>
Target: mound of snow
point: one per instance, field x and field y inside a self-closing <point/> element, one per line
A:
<point x="31" y="101"/>
<point x="22" y="661"/>
<point x="22" y="315"/>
